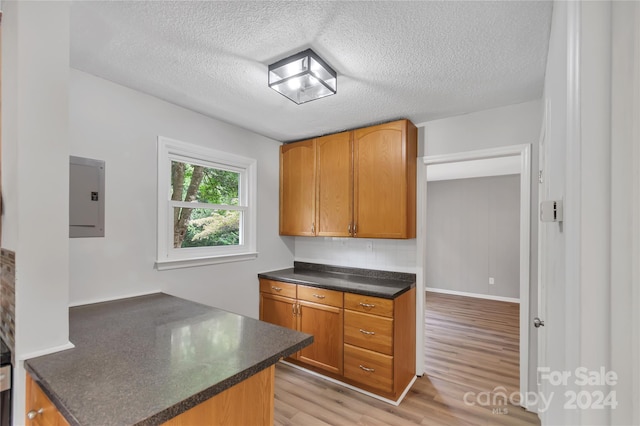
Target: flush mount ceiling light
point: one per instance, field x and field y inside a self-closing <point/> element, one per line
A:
<point x="303" y="77"/>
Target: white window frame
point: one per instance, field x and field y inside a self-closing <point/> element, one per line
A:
<point x="169" y="257"/>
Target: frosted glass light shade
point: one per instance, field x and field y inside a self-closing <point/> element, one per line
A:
<point x="303" y="77"/>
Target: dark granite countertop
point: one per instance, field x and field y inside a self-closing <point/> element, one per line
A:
<point x="385" y="284"/>
<point x="145" y="360"/>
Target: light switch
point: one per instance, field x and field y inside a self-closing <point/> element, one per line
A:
<point x="551" y="211"/>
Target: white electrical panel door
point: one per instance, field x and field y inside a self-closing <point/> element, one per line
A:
<point x="86" y="197"/>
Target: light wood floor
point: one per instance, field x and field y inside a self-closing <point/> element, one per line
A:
<point x="471" y="346"/>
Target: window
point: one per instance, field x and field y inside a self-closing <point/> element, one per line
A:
<point x="206" y="206"/>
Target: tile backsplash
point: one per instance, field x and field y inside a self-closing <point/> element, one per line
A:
<point x="387" y="255"/>
<point x="8" y="297"/>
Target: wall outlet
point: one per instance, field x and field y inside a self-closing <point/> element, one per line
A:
<point x="492" y="281"/>
<point x="369" y="246"/>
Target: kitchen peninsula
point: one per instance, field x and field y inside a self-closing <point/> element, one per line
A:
<point x="154" y="359"/>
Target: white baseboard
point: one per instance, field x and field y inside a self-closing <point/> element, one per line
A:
<point x="476" y="295"/>
<point x="47" y="351"/>
<point x="348" y="386"/>
<point x="112" y="298"/>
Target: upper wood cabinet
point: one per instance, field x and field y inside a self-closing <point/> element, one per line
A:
<point x="360" y="183"/>
<point x="384" y="159"/>
<point x="335" y="185"/>
<point x="298" y="188"/>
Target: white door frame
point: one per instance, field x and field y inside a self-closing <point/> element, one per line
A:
<point x="524" y="152"/>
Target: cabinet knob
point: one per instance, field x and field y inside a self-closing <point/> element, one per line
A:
<point x="319" y="296"/>
<point x="32" y="414"/>
<point x="276" y="288"/>
<point x="367" y="305"/>
<point x="370" y="370"/>
<point x="370" y="333"/>
<point x="313" y="228"/>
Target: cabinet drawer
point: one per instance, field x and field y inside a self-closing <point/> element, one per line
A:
<point x="369" y="368"/>
<point x="369" y="331"/>
<point x="278" y="287"/>
<point x="320" y="295"/>
<point x="369" y="304"/>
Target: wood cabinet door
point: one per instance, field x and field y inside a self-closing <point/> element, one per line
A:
<point x="335" y="185"/>
<point x="384" y="180"/>
<point x="325" y="324"/>
<point x="43" y="410"/>
<point x="278" y="310"/>
<point x="298" y="188"/>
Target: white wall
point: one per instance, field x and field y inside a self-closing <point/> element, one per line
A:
<point x="593" y="258"/>
<point x="504" y="126"/>
<point x="368" y="253"/>
<point x="120" y="126"/>
<point x="625" y="210"/>
<point x="35" y="61"/>
<point x="473" y="228"/>
<point x="591" y="268"/>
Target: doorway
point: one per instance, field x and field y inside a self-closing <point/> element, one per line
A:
<point x="520" y="154"/>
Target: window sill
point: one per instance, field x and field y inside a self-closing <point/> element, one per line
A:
<point x="203" y="261"/>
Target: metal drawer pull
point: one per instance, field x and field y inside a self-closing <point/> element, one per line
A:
<point x="276" y="288"/>
<point x="319" y="296"/>
<point x="367" y="305"/>
<point x="370" y="333"/>
<point x="32" y="414"/>
<point x="370" y="370"/>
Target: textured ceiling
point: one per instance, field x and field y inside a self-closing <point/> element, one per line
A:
<point x="416" y="60"/>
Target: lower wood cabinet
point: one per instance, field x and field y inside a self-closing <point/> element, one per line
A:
<point x="369" y="331"/>
<point x="369" y="368"/>
<point x="40" y="411"/>
<point x="278" y="308"/>
<point x="325" y="324"/>
<point x="380" y="342"/>
<point x="368" y="342"/>
<point x="250" y="402"/>
<point x="310" y="310"/>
